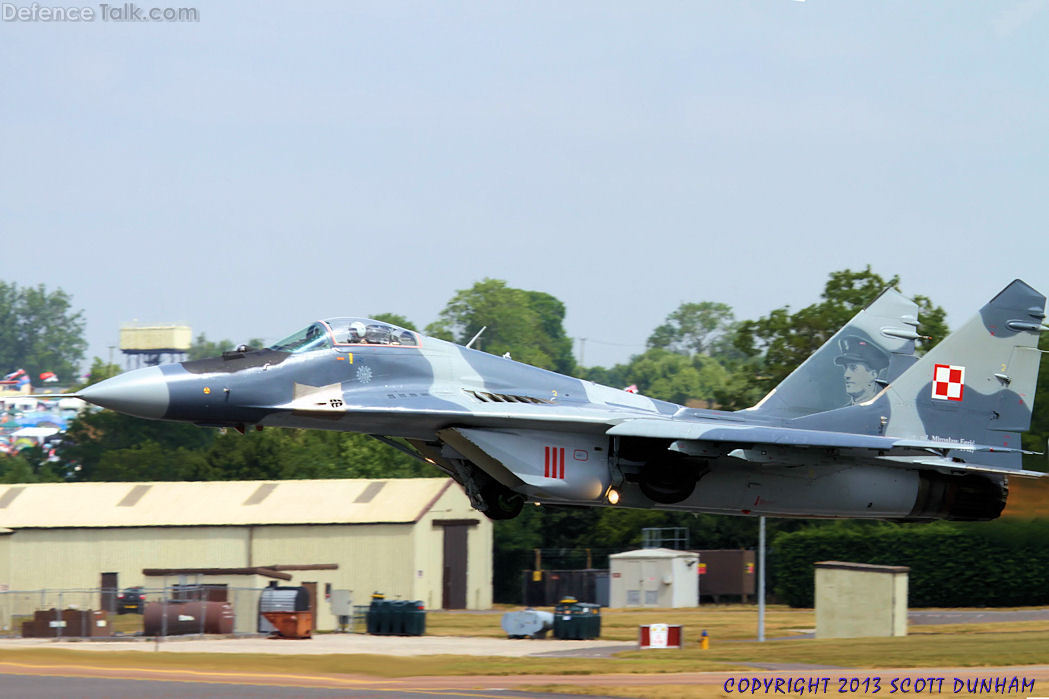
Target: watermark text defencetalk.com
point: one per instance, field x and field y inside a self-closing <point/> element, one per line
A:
<point x="125" y="12"/>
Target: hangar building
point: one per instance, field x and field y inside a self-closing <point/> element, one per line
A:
<point x="412" y="538"/>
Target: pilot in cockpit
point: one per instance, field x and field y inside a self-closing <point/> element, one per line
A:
<point x="357" y="333"/>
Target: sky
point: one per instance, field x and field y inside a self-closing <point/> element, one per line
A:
<point x="274" y="163"/>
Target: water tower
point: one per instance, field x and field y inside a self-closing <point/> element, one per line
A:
<point x="149" y="345"/>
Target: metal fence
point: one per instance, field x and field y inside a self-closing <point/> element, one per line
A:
<point x="545" y="588"/>
<point x="102" y="612"/>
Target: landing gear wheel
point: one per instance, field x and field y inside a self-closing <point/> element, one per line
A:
<point x="502" y="502"/>
<point x="667" y="493"/>
<point x="668" y="480"/>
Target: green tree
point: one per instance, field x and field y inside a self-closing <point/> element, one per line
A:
<point x="528" y="324"/>
<point x="705" y="327"/>
<point x="689" y="357"/>
<point x="395" y="319"/>
<point x="94" y="435"/>
<point x="365" y="457"/>
<point x="151" y="461"/>
<point x="743" y="384"/>
<point x="615" y="376"/>
<point x="202" y="347"/>
<point x="100" y="371"/>
<point x="29" y="465"/>
<point x="933" y="321"/>
<point x="108" y="446"/>
<point x="1037" y="437"/>
<point x="291" y="454"/>
<point x="784" y="339"/>
<point x="15" y="469"/>
<point x="39" y="331"/>
<point x="666" y="375"/>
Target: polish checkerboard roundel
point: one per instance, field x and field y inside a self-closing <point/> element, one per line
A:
<point x="948" y="382"/>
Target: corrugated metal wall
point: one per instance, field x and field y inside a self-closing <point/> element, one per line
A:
<point x="371" y="557"/>
<point x="75" y="558"/>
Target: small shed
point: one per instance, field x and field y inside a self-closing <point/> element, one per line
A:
<point x="854" y="600"/>
<point x="654" y="578"/>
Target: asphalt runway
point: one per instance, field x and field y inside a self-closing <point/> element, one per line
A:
<point x="982" y="616"/>
<point x="66" y="683"/>
<point x="35" y="687"/>
<point x="26" y="680"/>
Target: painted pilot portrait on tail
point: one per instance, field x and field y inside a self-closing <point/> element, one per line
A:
<point x="855" y="364"/>
<point x="863" y="367"/>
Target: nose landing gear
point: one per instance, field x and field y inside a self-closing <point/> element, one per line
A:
<point x="501" y="502"/>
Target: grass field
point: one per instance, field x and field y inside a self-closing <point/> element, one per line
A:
<point x="720" y="621"/>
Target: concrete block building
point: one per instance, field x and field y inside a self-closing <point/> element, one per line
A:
<point x="854" y="600"/>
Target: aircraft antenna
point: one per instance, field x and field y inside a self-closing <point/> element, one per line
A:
<point x="474" y="338"/>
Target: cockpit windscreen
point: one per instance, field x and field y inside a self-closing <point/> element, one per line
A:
<point x="312" y="337"/>
<point x="346" y="331"/>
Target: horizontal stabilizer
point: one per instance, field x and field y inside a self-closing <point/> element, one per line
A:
<point x="947" y="464"/>
<point x="714" y="431"/>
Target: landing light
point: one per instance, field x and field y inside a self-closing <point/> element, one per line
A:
<point x="613" y="496"/>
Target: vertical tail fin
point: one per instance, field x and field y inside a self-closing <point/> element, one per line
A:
<point x="977" y="385"/>
<point x="881" y="335"/>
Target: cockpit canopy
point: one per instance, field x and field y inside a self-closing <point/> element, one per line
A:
<point x="346" y="331"/>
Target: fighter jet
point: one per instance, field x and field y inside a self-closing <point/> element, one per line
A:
<point x="863" y="428"/>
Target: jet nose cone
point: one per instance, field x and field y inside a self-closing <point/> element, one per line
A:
<point x="142" y="392"/>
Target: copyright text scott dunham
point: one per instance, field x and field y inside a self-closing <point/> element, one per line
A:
<point x="874" y="684"/>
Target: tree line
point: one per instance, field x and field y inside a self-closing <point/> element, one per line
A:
<point x="40" y="332"/>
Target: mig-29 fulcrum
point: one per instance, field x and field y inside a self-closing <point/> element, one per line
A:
<point x="863" y="428"/>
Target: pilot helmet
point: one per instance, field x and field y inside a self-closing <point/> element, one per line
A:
<point x="357" y="330"/>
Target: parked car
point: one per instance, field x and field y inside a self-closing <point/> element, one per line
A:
<point x="131" y="601"/>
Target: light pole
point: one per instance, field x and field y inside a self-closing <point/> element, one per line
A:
<point x="761" y="579"/>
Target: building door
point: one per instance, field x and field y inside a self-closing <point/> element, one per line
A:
<point x="650" y="583"/>
<point x="453" y="584"/>
<point x="633" y="581"/>
<point x="311" y="587"/>
<point x="108" y="601"/>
